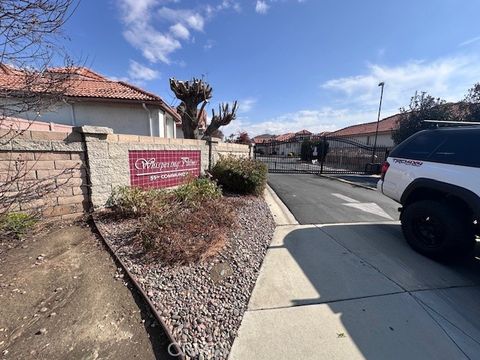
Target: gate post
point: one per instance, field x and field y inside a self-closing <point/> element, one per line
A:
<point x="210" y="142"/>
<point x="322" y="146"/>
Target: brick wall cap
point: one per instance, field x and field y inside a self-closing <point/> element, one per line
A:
<point x="89" y="129"/>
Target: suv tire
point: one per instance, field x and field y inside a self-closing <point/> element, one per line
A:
<point x="436" y="230"/>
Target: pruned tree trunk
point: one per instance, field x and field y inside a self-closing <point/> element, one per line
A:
<point x="224" y="117"/>
<point x="191" y="93"/>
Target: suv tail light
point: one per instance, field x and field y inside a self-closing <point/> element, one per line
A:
<point x="385" y="167"/>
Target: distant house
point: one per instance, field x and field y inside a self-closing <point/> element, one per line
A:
<point x="281" y="144"/>
<point x="92" y="99"/>
<point x="365" y="133"/>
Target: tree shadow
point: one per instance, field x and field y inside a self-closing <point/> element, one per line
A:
<point x="367" y="274"/>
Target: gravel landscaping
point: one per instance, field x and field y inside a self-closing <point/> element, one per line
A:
<point x="202" y="303"/>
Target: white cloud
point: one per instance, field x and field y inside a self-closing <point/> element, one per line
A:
<point x="355" y="98"/>
<point x="135" y="10"/>
<point x="157" y="28"/>
<point x="325" y="119"/>
<point x="261" y="7"/>
<point x="180" y="31"/>
<point x="209" y="45"/>
<point x="448" y="78"/>
<point x="246" y="105"/>
<point x="141" y="72"/>
<point x="140" y="33"/>
<point x="190" y="18"/>
<point x="211" y="10"/>
<point x="155" y="46"/>
<point x="470" y="41"/>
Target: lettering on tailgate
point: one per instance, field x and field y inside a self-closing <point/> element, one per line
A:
<point x="408" y="162"/>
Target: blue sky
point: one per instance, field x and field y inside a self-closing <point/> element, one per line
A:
<point x="292" y="64"/>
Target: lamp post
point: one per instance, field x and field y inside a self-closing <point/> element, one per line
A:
<point x="382" y="84"/>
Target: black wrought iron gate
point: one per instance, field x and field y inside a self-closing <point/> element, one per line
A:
<point x="326" y="155"/>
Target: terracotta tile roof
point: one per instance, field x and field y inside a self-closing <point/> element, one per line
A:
<point x="284" y="137"/>
<point x="83" y="83"/>
<point x="385" y="125"/>
<point x="303" y="132"/>
<point x="320" y="135"/>
<point x="264" y="138"/>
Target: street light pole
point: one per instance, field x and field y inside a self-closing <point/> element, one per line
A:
<point x="382" y="84"/>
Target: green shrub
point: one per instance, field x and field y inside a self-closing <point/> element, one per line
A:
<point x="308" y="148"/>
<point x="240" y="175"/>
<point x="198" y="190"/>
<point x="16" y="224"/>
<point x="133" y="200"/>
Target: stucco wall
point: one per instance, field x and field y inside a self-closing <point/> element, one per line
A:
<point x="383" y="139"/>
<point x="123" y="118"/>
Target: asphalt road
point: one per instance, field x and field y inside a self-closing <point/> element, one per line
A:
<point x="318" y="200"/>
<point x="348" y="286"/>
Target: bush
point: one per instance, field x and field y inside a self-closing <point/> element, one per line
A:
<point x="182" y="234"/>
<point x="308" y="148"/>
<point x="240" y="175"/>
<point x="184" y="225"/>
<point x="198" y="190"/>
<point x="291" y="154"/>
<point x="134" y="201"/>
<point x="16" y="224"/>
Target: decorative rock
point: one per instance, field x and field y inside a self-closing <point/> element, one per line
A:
<point x="42" y="331"/>
<point x="202" y="314"/>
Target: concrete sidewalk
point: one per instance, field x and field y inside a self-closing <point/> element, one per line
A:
<point x="357" y="291"/>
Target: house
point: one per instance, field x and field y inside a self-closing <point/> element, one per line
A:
<point x="282" y="144"/>
<point x="365" y="133"/>
<point x="89" y="98"/>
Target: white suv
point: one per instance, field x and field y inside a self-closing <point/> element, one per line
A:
<point x="435" y="175"/>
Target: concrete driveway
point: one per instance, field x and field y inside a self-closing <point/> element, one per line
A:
<point x="349" y="287"/>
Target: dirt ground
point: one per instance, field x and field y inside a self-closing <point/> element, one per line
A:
<point x="62" y="297"/>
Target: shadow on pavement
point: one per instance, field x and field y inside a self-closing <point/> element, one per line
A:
<point x="365" y="180"/>
<point x="389" y="301"/>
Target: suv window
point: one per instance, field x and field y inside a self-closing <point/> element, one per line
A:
<point x="420" y="147"/>
<point x="459" y="148"/>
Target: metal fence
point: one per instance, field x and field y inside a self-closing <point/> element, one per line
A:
<point x="327" y="155"/>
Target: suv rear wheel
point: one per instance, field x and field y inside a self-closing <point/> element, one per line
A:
<point x="437" y="230"/>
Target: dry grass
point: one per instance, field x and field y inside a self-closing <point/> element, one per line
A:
<point x="182" y="234"/>
<point x="188" y="224"/>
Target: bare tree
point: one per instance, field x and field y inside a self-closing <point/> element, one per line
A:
<point x="224" y="117"/>
<point x="193" y="93"/>
<point x="471" y="104"/>
<point x="30" y="34"/>
<point x="30" y="31"/>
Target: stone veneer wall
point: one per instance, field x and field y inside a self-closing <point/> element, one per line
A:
<point x="108" y="156"/>
<point x="43" y="172"/>
<point x="58" y="174"/>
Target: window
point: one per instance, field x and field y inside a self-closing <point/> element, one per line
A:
<point x="460" y="148"/>
<point x="421" y="146"/>
<point x="170" y="123"/>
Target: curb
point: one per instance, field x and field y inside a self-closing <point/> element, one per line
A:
<point x="280" y="212"/>
<point x="347" y="182"/>
<point x="142" y="293"/>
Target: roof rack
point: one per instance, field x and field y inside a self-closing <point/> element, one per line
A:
<point x="458" y="123"/>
